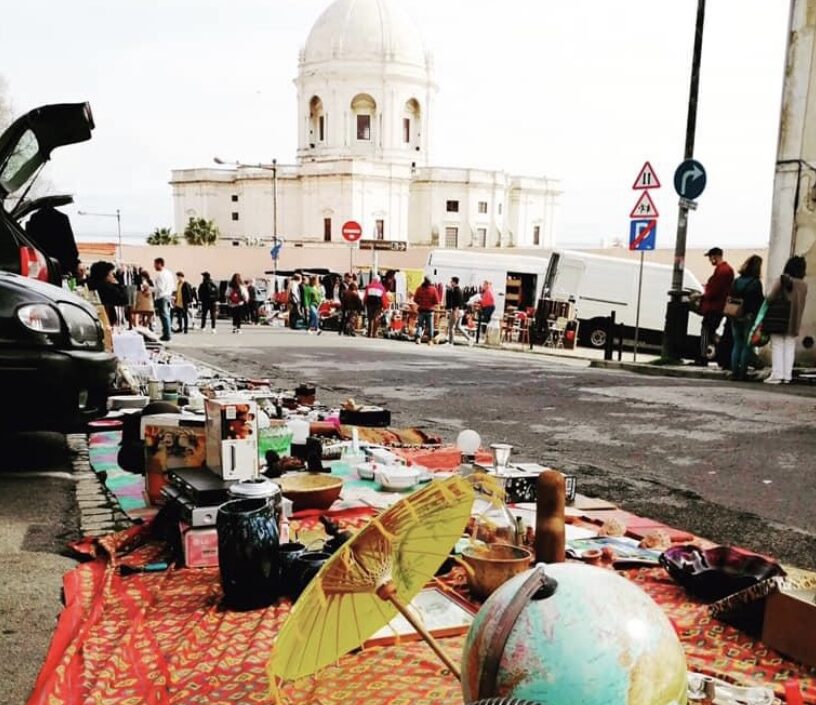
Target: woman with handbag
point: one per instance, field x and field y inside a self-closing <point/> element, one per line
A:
<point x="742" y="307"/>
<point x="783" y="318"/>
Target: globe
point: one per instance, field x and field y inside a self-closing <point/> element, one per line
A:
<point x="597" y="639"/>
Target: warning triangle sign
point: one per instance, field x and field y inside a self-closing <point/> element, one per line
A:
<point x="647" y="178"/>
<point x="645" y="207"/>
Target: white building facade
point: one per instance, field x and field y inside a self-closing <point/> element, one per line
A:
<point x="365" y="98"/>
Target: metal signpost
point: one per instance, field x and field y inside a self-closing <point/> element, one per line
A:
<point x="676" y="327"/>
<point x="352" y="232"/>
<point x="643" y="230"/>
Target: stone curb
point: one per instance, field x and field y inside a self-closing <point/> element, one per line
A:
<point x="661" y="370"/>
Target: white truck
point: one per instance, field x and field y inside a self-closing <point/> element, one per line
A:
<point x="597" y="284"/>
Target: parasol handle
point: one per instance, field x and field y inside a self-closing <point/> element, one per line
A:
<point x="388" y="593"/>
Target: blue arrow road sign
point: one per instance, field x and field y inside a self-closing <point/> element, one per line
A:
<point x="690" y="179"/>
<point x="643" y="234"/>
<point x="276" y="249"/>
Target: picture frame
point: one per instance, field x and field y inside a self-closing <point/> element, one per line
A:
<point x="444" y="613"/>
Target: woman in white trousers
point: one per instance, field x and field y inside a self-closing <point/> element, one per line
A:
<point x="783" y="343"/>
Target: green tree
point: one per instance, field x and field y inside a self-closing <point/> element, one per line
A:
<point x="201" y="232"/>
<point x="163" y="236"/>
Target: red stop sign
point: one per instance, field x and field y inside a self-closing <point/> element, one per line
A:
<point x="352" y="231"/>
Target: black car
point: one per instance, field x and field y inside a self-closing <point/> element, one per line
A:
<point x="54" y="370"/>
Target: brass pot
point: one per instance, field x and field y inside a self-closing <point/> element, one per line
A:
<point x="493" y="565"/>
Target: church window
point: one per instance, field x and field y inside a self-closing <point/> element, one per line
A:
<point x="380" y="226"/>
<point x="482" y="206"/>
<point x="317" y="121"/>
<point x="235" y="198"/>
<point x="536" y="234"/>
<point x="364" y="127"/>
<point x="327" y="229"/>
<point x="321" y="128"/>
<point x="481" y="237"/>
<point x="452" y="237"/>
<point x="406" y="130"/>
<point x="452" y="206"/>
<point x="234" y="215"/>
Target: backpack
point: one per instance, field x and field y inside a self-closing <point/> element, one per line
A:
<point x="235" y="297"/>
<point x="212" y="290"/>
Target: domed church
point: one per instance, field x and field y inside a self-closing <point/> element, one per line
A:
<point x="365" y="100"/>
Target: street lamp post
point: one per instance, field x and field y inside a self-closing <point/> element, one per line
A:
<point x="118" y="217"/>
<point x="274" y="169"/>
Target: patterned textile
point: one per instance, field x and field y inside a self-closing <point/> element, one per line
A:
<point x="157" y="639"/>
<point x="392" y="437"/>
<point x="125" y="486"/>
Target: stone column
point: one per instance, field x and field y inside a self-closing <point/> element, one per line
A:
<point x="793" y="220"/>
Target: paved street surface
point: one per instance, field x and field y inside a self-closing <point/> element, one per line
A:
<point x="38" y="516"/>
<point x="732" y="462"/>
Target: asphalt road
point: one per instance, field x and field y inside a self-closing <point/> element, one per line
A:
<point x="731" y="462"/>
<point x="38" y="516"/>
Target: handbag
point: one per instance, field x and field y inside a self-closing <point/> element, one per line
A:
<point x="777" y="314"/>
<point x="734" y="307"/>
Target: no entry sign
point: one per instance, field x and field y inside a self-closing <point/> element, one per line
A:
<point x="352" y="231"/>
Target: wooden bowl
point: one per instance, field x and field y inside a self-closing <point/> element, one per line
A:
<point x="310" y="490"/>
<point x="493" y="565"/>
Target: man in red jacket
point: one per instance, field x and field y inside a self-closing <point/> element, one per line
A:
<point x="426" y="299"/>
<point x="712" y="302"/>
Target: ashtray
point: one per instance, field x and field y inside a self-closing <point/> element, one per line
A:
<point x="717" y="572"/>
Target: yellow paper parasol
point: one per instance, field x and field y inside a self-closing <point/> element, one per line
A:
<point x="371" y="578"/>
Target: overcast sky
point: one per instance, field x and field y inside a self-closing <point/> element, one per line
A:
<point x="580" y="90"/>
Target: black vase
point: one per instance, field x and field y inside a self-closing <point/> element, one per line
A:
<point x="248" y="555"/>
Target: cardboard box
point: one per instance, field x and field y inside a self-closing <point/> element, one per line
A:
<point x="171" y="441"/>
<point x="200" y="546"/>
<point x="790" y="624"/>
<point x="232" y="438"/>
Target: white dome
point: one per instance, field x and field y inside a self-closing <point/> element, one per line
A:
<point x="365" y="30"/>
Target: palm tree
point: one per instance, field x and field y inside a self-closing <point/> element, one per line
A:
<point x="201" y="232"/>
<point x="163" y="236"/>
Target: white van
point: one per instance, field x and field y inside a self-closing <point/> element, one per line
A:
<point x="516" y="279"/>
<point x="600" y="285"/>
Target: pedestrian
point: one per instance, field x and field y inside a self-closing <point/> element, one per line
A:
<point x="426" y="298"/>
<point x="144" y="309"/>
<point x="181" y="303"/>
<point x="487" y="305"/>
<point x="342" y="290"/>
<point x="208" y="299"/>
<point x="295" y="302"/>
<point x="352" y="307"/>
<point x="163" y="293"/>
<point x="312" y="298"/>
<point x="237" y="298"/>
<point x="747" y="288"/>
<point x="455" y="304"/>
<point x="373" y="301"/>
<point x="712" y="303"/>
<point x="783" y="318"/>
<point x="112" y="294"/>
<point x="252" y="303"/>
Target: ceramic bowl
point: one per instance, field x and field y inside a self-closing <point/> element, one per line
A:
<point x="310" y="490"/>
<point x="493" y="565"/>
<point x="396" y="478"/>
